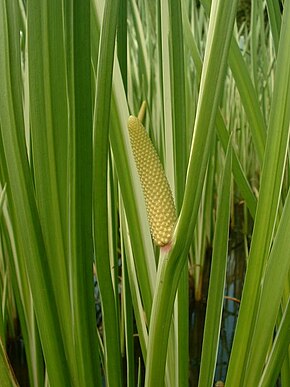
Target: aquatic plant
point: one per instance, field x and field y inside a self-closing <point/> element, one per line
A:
<point x="73" y="187"/>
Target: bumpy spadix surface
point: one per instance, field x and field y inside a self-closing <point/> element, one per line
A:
<point x="158" y="196"/>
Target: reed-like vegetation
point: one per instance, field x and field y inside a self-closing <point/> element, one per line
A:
<point x="72" y="206"/>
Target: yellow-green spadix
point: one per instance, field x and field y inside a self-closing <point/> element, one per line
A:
<point x="158" y="196"/>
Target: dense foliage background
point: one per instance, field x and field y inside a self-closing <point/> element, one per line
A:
<point x="216" y="79"/>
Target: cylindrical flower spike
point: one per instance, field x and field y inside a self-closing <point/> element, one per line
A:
<point x="158" y="196"/>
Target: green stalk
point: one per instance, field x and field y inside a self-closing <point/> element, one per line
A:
<point x="122" y="41"/>
<point x="178" y="99"/>
<point x="77" y="29"/>
<point x="217" y="279"/>
<point x="273" y="284"/>
<point x="254" y="36"/>
<point x="278" y="353"/>
<point x="170" y="267"/>
<point x="275" y="21"/>
<point x="180" y="162"/>
<point x="129" y="326"/>
<point x="238" y="172"/>
<point x="100" y="160"/>
<point x="2" y="198"/>
<point x="135" y="292"/>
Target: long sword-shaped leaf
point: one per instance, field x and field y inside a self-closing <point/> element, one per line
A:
<point x="222" y="133"/>
<point x="220" y="32"/>
<point x="248" y="94"/>
<point x="271" y="183"/>
<point x="217" y="279"/>
<point x="48" y="122"/>
<point x="144" y="260"/>
<point x="273" y="284"/>
<point x="100" y="160"/>
<point x="131" y="188"/>
<point x="13" y="253"/>
<point x="278" y="352"/>
<point x="180" y="162"/>
<point x="23" y="202"/>
<point x="78" y="45"/>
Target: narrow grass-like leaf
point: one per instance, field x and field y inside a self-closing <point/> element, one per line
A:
<point x="137" y="240"/>
<point x="180" y="163"/>
<point x="15" y="256"/>
<point x="221" y="24"/>
<point x="122" y="41"/>
<point x="285" y="369"/>
<point x="131" y="188"/>
<point x="7" y="375"/>
<point x="135" y="294"/>
<point x="239" y="174"/>
<point x="21" y="291"/>
<point x="49" y="130"/>
<point x="249" y="99"/>
<point x="271" y="182"/>
<point x="248" y="95"/>
<point x="275" y="21"/>
<point x="23" y="201"/>
<point x="49" y="154"/>
<point x="2" y="198"/>
<point x="222" y="133"/>
<point x="144" y="65"/>
<point x="273" y="283"/>
<point x="100" y="160"/>
<point x="78" y="44"/>
<point x="2" y="325"/>
<point x="255" y="28"/>
<point x="217" y="279"/>
<point x="278" y="352"/>
<point x="178" y="99"/>
<point x="128" y="326"/>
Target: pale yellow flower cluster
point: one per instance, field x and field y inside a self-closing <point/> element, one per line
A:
<point x="158" y="196"/>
